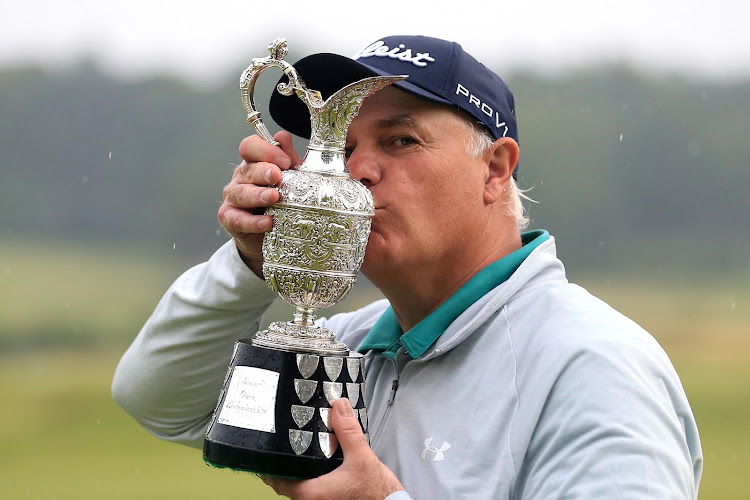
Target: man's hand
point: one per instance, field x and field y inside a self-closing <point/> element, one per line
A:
<point x="362" y="476"/>
<point x="251" y="191"/>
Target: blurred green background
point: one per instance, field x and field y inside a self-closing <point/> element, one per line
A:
<point x="109" y="190"/>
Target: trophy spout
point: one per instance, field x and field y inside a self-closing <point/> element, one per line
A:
<point x="330" y="121"/>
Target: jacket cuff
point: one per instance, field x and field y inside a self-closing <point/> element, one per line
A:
<point x="398" y="495"/>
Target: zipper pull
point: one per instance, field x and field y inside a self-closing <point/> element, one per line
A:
<point x="394" y="388"/>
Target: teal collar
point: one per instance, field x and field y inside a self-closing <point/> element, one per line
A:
<point x="386" y="336"/>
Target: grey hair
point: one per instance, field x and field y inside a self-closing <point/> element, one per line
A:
<point x="478" y="143"/>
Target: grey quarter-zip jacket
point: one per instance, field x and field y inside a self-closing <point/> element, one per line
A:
<point x="537" y="390"/>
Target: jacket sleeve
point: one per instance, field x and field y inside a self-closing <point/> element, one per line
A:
<point x="170" y="377"/>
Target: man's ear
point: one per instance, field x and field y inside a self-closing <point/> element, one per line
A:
<point x="501" y="160"/>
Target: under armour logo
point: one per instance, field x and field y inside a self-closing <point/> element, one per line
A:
<point x="439" y="455"/>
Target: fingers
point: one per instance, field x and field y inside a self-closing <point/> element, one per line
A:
<point x="254" y="149"/>
<point x="259" y="173"/>
<point x="241" y="213"/>
<point x="282" y="487"/>
<point x="252" y="190"/>
<point x="300" y="490"/>
<point x="285" y="139"/>
<point x="241" y="192"/>
<point x="348" y="431"/>
<point x="360" y="467"/>
<point x="262" y="162"/>
<point x="239" y="223"/>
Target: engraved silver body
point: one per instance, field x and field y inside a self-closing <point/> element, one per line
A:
<point x="322" y="220"/>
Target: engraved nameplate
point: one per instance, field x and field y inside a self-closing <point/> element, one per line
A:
<point x="250" y="401"/>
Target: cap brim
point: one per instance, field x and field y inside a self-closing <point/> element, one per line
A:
<point x="328" y="73"/>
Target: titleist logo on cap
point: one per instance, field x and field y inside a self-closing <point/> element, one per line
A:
<point x="380" y="49"/>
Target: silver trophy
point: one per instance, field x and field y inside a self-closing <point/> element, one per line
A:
<point x="272" y="415"/>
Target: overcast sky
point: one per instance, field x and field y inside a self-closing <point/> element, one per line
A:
<point x="207" y="40"/>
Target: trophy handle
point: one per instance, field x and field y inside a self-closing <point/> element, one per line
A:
<point x="277" y="50"/>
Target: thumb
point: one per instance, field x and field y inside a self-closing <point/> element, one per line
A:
<point x="348" y="431"/>
<point x="285" y="141"/>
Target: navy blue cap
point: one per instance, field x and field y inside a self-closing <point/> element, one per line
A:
<point x="439" y="71"/>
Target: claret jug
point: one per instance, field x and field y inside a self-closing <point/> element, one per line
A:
<point x="272" y="414"/>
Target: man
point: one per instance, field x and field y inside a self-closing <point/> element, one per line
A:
<point x="488" y="374"/>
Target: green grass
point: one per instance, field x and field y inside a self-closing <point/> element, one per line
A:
<point x="719" y="394"/>
<point x="62" y="293"/>
<point x="66" y="317"/>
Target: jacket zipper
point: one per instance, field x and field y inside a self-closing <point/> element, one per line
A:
<point x="401" y="358"/>
<point x="394" y="388"/>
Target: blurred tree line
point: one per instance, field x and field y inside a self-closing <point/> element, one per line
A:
<point x="634" y="171"/>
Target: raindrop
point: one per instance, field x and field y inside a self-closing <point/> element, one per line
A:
<point x="174" y="245"/>
<point x="601" y="244"/>
<point x="98" y="421"/>
<point x="733" y="306"/>
<point x="620" y="137"/>
<point x="84" y="179"/>
<point x="110" y="155"/>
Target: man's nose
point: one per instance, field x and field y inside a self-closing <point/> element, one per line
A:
<point x="363" y="166"/>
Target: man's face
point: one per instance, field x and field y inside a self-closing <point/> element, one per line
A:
<point x="428" y="190"/>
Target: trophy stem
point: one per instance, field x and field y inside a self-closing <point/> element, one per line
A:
<point x="304" y="316"/>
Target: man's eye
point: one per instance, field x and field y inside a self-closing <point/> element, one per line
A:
<point x="406" y="141"/>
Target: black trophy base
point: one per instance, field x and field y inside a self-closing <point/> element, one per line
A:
<point x="272" y="415"/>
<point x="266" y="462"/>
